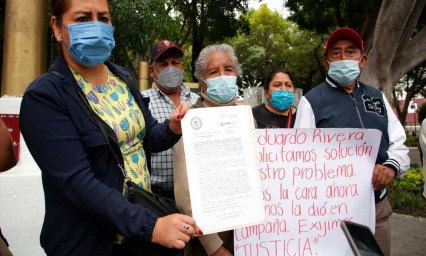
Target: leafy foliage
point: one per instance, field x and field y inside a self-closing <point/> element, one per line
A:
<point x="271" y="42"/>
<point x="411" y="182"/>
<point x="205" y="22"/>
<point x="189" y="23"/>
<point x="413" y="83"/>
<point x="411" y="141"/>
<point x="138" y="24"/>
<point x="264" y="48"/>
<point x="325" y="15"/>
<point x="314" y="15"/>
<point x="406" y="194"/>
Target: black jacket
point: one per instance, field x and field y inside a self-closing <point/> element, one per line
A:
<point x="84" y="205"/>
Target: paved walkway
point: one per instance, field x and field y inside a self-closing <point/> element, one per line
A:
<point x="414" y="155"/>
<point x="408" y="232"/>
<point x="408" y="235"/>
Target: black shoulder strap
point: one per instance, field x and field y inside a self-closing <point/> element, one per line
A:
<point x="98" y="122"/>
<point x="56" y="73"/>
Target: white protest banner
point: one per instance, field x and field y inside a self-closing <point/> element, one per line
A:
<point x="311" y="180"/>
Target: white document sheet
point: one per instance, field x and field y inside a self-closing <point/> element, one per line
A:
<point x="222" y="165"/>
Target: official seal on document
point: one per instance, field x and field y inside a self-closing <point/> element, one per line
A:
<point x="196" y="123"/>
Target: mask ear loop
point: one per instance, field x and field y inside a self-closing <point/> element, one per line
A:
<point x="357" y="83"/>
<point x="62" y="24"/>
<point x="60" y="39"/>
<point x="269" y="100"/>
<point x="153" y="67"/>
<point x="155" y="71"/>
<point x="205" y="82"/>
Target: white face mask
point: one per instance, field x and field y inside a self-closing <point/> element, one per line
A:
<point x="170" y="78"/>
<point x="344" y="72"/>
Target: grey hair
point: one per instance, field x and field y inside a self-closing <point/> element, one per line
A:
<point x="203" y="58"/>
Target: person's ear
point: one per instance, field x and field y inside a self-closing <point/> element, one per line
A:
<point x="325" y="63"/>
<point x="57" y="28"/>
<point x="152" y="72"/>
<point x="203" y="86"/>
<point x="362" y="61"/>
<point x="266" y="94"/>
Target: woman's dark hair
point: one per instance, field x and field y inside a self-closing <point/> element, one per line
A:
<point x="273" y="73"/>
<point x="59" y="7"/>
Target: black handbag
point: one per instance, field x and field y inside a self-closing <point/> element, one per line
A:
<point x="157" y="204"/>
<point x="160" y="206"/>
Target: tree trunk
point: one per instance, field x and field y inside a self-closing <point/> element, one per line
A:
<point x="198" y="33"/>
<point x="395" y="50"/>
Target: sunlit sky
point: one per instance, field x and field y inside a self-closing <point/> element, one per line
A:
<point x="275" y="5"/>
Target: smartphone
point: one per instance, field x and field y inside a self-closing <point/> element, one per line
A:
<point x="361" y="239"/>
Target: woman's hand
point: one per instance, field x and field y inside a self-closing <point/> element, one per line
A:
<point x="177" y="116"/>
<point x="174" y="231"/>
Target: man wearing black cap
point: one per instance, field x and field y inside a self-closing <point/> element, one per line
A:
<point x="344" y="102"/>
<point x="167" y="71"/>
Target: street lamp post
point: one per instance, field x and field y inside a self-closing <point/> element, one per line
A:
<point x="414" y="108"/>
<point x="415" y="123"/>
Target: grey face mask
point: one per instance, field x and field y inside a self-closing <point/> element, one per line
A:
<point x="170" y="78"/>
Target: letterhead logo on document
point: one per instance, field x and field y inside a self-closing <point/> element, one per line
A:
<point x="196" y="123"/>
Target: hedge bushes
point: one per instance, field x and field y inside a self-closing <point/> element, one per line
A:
<point x="406" y="194"/>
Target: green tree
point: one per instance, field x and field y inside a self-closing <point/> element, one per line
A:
<point x="393" y="31"/>
<point x="413" y="83"/>
<point x="263" y="48"/>
<point x="138" y="24"/>
<point x="207" y="21"/>
<point x="191" y="24"/>
<point x="271" y="42"/>
<point x="304" y="57"/>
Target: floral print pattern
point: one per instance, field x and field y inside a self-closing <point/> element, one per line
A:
<point x="114" y="103"/>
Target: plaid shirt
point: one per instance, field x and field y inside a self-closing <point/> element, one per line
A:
<point x="162" y="107"/>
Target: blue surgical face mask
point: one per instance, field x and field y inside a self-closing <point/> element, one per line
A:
<point x="281" y="99"/>
<point x="91" y="43"/>
<point x="222" y="89"/>
<point x="170" y="78"/>
<point x="344" y="72"/>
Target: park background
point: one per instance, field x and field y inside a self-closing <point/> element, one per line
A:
<point x="279" y="34"/>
